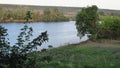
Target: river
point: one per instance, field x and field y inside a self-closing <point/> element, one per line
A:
<point x="60" y="33"/>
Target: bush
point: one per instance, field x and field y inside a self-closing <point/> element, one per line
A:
<point x="110" y="28"/>
<point x="17" y="56"/>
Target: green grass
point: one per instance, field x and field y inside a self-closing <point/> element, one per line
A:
<point x="80" y="57"/>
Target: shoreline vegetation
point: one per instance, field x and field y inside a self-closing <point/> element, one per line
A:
<point x="18" y="21"/>
<point x="18" y="15"/>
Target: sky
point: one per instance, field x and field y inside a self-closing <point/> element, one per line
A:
<point x="104" y="4"/>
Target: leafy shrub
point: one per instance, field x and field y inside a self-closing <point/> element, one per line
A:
<point x="110" y="28"/>
<point x="17" y="56"/>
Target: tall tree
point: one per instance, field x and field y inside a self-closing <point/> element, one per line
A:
<point x="87" y="21"/>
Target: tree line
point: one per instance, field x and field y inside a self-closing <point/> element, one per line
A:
<point x="51" y="15"/>
<point x="18" y="15"/>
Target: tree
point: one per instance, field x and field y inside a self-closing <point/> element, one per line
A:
<point x="15" y="56"/>
<point x="4" y="47"/>
<point x="87" y="21"/>
<point x="28" y="16"/>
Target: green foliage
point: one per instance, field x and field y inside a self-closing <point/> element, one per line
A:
<point x="110" y="27"/>
<point x="17" y="56"/>
<point x="53" y="15"/>
<point x="28" y="16"/>
<point x="4" y="47"/>
<point x="87" y="21"/>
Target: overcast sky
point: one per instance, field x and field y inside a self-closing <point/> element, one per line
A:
<point x="106" y="4"/>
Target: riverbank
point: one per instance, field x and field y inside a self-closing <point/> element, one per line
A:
<point x="22" y="21"/>
<point x="84" y="55"/>
<point x="18" y="21"/>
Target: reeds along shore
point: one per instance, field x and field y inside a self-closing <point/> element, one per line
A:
<point x="18" y="15"/>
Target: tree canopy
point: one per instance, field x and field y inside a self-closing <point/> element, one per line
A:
<point x="87" y="21"/>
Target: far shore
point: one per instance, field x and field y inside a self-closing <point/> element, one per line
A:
<point x="22" y="21"/>
<point x="19" y="21"/>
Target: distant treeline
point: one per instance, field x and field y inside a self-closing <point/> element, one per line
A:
<point x="51" y="15"/>
<point x="18" y="15"/>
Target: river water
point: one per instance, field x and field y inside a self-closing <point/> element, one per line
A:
<point x="60" y="33"/>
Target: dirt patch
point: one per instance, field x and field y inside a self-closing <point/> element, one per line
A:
<point x="107" y="43"/>
<point x="91" y="43"/>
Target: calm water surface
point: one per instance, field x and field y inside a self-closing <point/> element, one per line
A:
<point x="60" y="33"/>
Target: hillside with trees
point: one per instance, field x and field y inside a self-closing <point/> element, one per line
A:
<point x="17" y="15"/>
<point x="53" y="15"/>
<point x="11" y="13"/>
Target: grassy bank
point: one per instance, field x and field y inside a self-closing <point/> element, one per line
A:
<point x="86" y="55"/>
